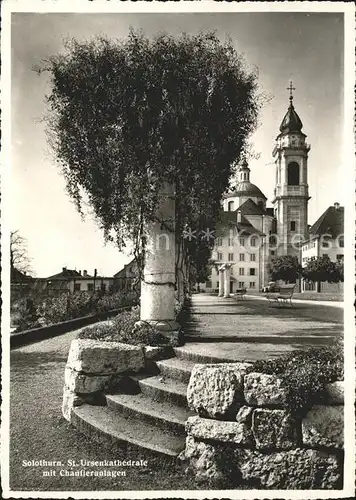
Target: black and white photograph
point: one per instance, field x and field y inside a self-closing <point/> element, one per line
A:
<point x="178" y="249"/>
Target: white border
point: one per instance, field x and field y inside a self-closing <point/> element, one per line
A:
<point x="85" y="6"/>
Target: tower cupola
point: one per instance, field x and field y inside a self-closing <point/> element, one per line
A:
<point x="244" y="172"/>
<point x="291" y="121"/>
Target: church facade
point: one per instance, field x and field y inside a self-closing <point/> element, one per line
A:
<point x="248" y="232"/>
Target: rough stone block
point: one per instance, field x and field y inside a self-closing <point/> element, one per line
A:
<point x="298" y="469"/>
<point x="217" y="430"/>
<point x="335" y="393"/>
<point x="210" y="464"/>
<point x="82" y="383"/>
<point x="94" y="356"/>
<point x="323" y="426"/>
<point x="216" y="390"/>
<point x="264" y="390"/>
<point x="275" y="429"/>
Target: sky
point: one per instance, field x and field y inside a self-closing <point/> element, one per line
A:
<point x="306" y="48"/>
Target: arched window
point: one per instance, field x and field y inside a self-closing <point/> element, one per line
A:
<point x="230" y="206"/>
<point x="293" y="174"/>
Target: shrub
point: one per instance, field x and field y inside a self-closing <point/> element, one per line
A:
<point x="305" y="374"/>
<point x="123" y="328"/>
<point x="115" y="300"/>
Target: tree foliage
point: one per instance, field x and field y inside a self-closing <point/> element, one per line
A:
<point x="126" y="116"/>
<point x="323" y="269"/>
<point x="285" y="267"/>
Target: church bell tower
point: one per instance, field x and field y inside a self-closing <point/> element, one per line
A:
<point x="291" y="193"/>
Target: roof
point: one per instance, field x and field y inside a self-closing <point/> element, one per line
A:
<point x="249" y="207"/>
<point x="229" y="219"/>
<point x="18" y="276"/>
<point x="291" y="122"/>
<point x="66" y="274"/>
<point x="330" y="222"/>
<point x="245" y="188"/>
<point x="123" y="270"/>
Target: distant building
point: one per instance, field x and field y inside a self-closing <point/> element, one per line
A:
<point x="127" y="277"/>
<point x="326" y="237"/>
<point x="70" y="281"/>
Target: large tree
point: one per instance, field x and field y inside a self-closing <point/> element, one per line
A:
<point x="19" y="258"/>
<point x="285" y="267"/>
<point x="126" y="116"/>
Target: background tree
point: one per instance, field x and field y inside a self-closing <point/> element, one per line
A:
<point x="285" y="267"/>
<point x="127" y="116"/>
<point x="19" y="258"/>
<point x="320" y="269"/>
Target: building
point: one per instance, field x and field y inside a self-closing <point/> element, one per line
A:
<point x="326" y="237"/>
<point x="127" y="277"/>
<point x="249" y="233"/>
<point x="70" y="281"/>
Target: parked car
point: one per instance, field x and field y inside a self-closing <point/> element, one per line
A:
<point x="271" y="287"/>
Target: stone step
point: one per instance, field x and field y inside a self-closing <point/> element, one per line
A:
<point x="176" y="368"/>
<point x="110" y="429"/>
<point x="167" y="416"/>
<point x="163" y="389"/>
<point x="187" y="354"/>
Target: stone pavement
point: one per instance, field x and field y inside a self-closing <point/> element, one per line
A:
<point x="250" y="329"/>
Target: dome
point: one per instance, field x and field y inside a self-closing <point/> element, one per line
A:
<point x="291" y="122"/>
<point x="246" y="188"/>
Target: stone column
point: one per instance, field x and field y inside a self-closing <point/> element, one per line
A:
<point x="227" y="280"/>
<point x="158" y="284"/>
<point x="221" y="282"/>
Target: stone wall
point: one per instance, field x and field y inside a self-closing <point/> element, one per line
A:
<point x="96" y="367"/>
<point x="242" y="432"/>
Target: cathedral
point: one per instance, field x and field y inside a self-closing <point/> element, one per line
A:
<point x="249" y="233"/>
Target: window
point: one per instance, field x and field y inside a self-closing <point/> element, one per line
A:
<point x="242" y="242"/>
<point x="90" y="287"/>
<point x="252" y="271"/>
<point x="341" y="242"/>
<point x="231" y="257"/>
<point x="292" y="225"/>
<point x="208" y="284"/>
<point x="325" y="254"/>
<point x="230" y="206"/>
<point x="325" y="244"/>
<point x="253" y="241"/>
<point x="231" y="242"/>
<point x="241" y="271"/>
<point x="273" y="253"/>
<point x="219" y="242"/>
<point x="339" y="256"/>
<point x="242" y="256"/>
<point x="77" y="287"/>
<point x="217" y="284"/>
<point x="220" y="256"/>
<point x="241" y="284"/>
<point x="253" y="257"/>
<point x="231" y="270"/>
<point x="252" y="284"/>
<point x="293" y="174"/>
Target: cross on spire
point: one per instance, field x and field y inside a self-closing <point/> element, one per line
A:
<point x="291" y="88"/>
